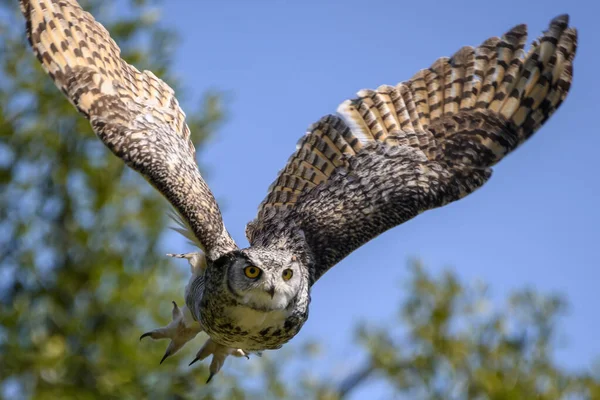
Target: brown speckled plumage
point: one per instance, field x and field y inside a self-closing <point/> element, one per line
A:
<point x="397" y="151"/>
<point x="389" y="154"/>
<point x="134" y="113"/>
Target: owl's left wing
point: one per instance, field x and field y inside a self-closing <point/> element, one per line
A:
<point x="398" y="151"/>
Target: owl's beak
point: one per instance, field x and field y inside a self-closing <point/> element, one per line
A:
<point x="271" y="291"/>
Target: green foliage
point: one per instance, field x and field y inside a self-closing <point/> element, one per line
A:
<point x="79" y="231"/>
<point x="456" y="346"/>
<point x="81" y="276"/>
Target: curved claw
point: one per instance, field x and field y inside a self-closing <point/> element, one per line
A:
<point x="219" y="354"/>
<point x="240" y="353"/>
<point x="180" y="330"/>
<point x="167" y="354"/>
<point x="210" y="377"/>
<point x="172" y="348"/>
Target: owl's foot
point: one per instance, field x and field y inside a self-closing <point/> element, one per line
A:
<point x="219" y="353"/>
<point x="180" y="330"/>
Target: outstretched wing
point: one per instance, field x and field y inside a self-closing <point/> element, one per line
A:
<point x="134" y="113"/>
<point x="395" y="152"/>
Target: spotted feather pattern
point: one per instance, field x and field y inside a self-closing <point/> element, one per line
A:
<point x="397" y="151"/>
<point x="318" y="154"/>
<point x="134" y="113"/>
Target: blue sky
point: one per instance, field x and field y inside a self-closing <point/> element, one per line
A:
<point x="285" y="64"/>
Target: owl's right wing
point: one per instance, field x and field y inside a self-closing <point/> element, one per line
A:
<point x="134" y="113"/>
<point x="398" y="151"/>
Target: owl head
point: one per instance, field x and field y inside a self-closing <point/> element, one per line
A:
<point x="264" y="279"/>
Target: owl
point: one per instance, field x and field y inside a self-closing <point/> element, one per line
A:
<point x="386" y="156"/>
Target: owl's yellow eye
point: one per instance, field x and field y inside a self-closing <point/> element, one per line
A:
<point x="287" y="274"/>
<point x="252" y="272"/>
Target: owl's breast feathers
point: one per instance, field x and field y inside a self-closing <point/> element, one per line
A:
<point x="233" y="324"/>
<point x="236" y="325"/>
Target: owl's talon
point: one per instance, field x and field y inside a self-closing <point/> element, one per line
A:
<point x="180" y="330"/>
<point x="210" y="377"/>
<point x="167" y="354"/>
<point x="219" y="354"/>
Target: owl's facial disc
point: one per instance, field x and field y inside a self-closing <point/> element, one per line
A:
<point x="262" y="286"/>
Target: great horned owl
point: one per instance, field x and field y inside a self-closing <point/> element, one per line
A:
<point x="388" y="155"/>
